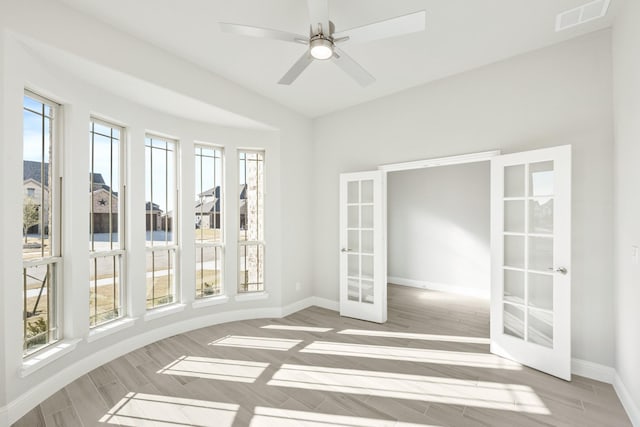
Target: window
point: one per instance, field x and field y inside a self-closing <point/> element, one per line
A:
<point x="161" y="216"/>
<point x="208" y="220"/>
<point x="106" y="217"/>
<point x="40" y="224"/>
<point x="251" y="234"/>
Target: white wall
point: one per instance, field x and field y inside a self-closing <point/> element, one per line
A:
<point x="3" y="318"/>
<point x="626" y="74"/>
<point x="55" y="28"/>
<point x="438" y="228"/>
<point x="558" y="95"/>
<point x="62" y="27"/>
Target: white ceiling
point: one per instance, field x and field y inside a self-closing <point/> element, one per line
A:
<point x="461" y="35"/>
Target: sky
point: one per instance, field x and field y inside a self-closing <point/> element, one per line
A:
<point x="32" y="144"/>
<point x="33" y="137"/>
<point x="206" y="177"/>
<point x="104" y="148"/>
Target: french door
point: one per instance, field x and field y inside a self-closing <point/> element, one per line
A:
<point x="363" y="258"/>
<point x="531" y="259"/>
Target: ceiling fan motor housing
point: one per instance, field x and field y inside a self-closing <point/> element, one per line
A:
<point x="321" y="47"/>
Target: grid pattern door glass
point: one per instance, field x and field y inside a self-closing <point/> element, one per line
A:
<point x="360" y="235"/>
<point x="528" y="274"/>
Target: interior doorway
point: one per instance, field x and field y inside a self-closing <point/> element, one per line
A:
<point x="438" y="228"/>
<point x="530" y="305"/>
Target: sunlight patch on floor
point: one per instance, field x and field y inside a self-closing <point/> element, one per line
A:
<point x="215" y="369"/>
<point x="441" y="357"/>
<point x="137" y="409"/>
<point x="297" y="328"/>
<point x="412" y="336"/>
<point x="449" y="391"/>
<point x="260" y="343"/>
<point x="273" y="417"/>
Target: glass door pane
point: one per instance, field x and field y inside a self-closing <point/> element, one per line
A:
<point x="360" y="241"/>
<point x="528" y="258"/>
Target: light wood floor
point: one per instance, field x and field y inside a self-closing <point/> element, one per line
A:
<point x="352" y="373"/>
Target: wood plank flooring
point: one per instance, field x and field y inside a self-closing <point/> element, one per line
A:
<point x="429" y="365"/>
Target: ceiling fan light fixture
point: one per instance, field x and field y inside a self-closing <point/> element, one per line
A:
<point x="321" y="48"/>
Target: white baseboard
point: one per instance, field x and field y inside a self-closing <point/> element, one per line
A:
<point x="30" y="399"/>
<point x="607" y="374"/>
<point x="594" y="371"/>
<point x="326" y="303"/>
<point x="308" y="302"/>
<point x="294" y="307"/>
<point x="633" y="411"/>
<point x="460" y="290"/>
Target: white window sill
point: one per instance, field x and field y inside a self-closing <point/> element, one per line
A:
<point x="52" y="353"/>
<point x="164" y="311"/>
<point x="110" y="328"/>
<point x="252" y="296"/>
<point x="210" y="301"/>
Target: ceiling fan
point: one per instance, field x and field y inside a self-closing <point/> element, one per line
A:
<point x="323" y="40"/>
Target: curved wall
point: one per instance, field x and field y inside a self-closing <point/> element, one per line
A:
<point x="31" y="55"/>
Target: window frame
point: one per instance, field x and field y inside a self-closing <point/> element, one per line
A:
<point x="120" y="252"/>
<point x="258" y="243"/>
<point x="55" y="331"/>
<point x="202" y="244"/>
<point x="172" y="248"/>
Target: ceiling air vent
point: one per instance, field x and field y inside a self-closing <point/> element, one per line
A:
<point x="582" y="14"/>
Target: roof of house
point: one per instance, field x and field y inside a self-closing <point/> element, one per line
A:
<point x="156" y="207"/>
<point x="105" y="188"/>
<point x="33" y="170"/>
<point x="97" y="178"/>
<point x="215" y="192"/>
<point x="213" y="206"/>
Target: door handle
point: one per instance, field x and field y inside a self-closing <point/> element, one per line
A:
<point x="560" y="270"/>
<point x="346" y="250"/>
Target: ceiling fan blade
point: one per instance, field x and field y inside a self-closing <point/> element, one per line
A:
<point x="297" y="69"/>
<point x="247" y="30"/>
<point x="406" y="24"/>
<point x="352" y="68"/>
<point x="319" y="14"/>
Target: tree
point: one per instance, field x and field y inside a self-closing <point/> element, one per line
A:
<point x="30" y="216"/>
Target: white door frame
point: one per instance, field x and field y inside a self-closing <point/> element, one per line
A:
<point x="352" y="310"/>
<point x="435" y="162"/>
<point x="440" y="161"/>
<point x="430" y="163"/>
<point x="460" y="159"/>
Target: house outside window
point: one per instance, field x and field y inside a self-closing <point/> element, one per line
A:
<point x="161" y="219"/>
<point x="106" y="220"/>
<point x="41" y="249"/>
<point x="209" y="204"/>
<point x="251" y="242"/>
